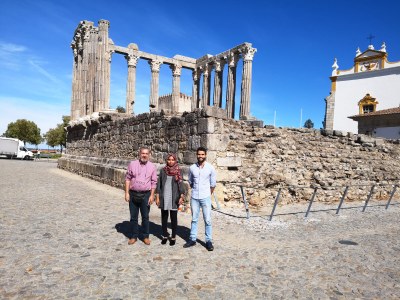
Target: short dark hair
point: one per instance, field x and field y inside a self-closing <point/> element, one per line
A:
<point x="201" y="149"/>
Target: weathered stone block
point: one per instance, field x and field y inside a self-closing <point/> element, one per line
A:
<point x="212" y="157"/>
<point x="212" y="111"/>
<point x="229" y="161"/>
<point x="255" y="123"/>
<point x="189" y="157"/>
<point x="227" y="176"/>
<point x="206" y="125"/>
<point x="215" y="141"/>
<point x="194" y="142"/>
<point x="365" y="139"/>
<point x="326" y="132"/>
<point x="339" y="133"/>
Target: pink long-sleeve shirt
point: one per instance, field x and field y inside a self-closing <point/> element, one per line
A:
<point x="142" y="177"/>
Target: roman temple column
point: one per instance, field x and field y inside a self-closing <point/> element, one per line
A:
<point x="219" y="68"/>
<point x="247" y="54"/>
<point x="103" y="66"/>
<point x="106" y="80"/>
<point x="231" y="88"/>
<point x="206" y="86"/>
<point x="154" y="86"/>
<point x="195" y="89"/>
<point x="74" y="95"/>
<point x="132" y="60"/>
<point x="86" y="103"/>
<point x="176" y="87"/>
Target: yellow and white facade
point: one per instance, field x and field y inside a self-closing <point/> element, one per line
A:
<point x="373" y="83"/>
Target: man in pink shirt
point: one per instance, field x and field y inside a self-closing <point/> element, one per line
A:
<point x="140" y="184"/>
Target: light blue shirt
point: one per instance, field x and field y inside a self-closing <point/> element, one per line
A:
<point x="201" y="180"/>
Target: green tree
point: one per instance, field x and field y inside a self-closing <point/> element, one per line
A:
<point x="57" y="136"/>
<point x="309" y="124"/>
<point x="24" y="130"/>
<point x="120" y="109"/>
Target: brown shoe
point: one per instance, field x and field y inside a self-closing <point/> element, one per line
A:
<point x="131" y="241"/>
<point x="146" y="241"/>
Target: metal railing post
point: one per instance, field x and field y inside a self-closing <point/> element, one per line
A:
<point x="341" y="200"/>
<point x="369" y="197"/>
<point x="311" y="201"/>
<point x="391" y="196"/>
<point x="216" y="202"/>
<point x="275" y="203"/>
<point x="245" y="203"/>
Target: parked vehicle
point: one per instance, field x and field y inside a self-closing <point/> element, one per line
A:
<point x="14" y="148"/>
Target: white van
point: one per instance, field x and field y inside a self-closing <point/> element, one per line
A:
<point x="14" y="148"/>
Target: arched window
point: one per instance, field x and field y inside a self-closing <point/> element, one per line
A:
<point x="367" y="104"/>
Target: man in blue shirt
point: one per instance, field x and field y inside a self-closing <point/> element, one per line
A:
<point x="202" y="180"/>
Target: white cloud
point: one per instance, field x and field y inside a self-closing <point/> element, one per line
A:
<point x="11" y="48"/>
<point x="11" y="54"/>
<point x="43" y="72"/>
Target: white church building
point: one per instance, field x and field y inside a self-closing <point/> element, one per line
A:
<point x="371" y="85"/>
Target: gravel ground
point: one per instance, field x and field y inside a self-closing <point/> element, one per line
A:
<point x="62" y="236"/>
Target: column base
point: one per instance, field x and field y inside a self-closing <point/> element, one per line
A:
<point x="252" y="121"/>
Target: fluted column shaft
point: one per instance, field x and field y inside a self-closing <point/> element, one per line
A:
<point x="103" y="67"/>
<point x="92" y="82"/>
<point x="131" y="83"/>
<point x="206" y="87"/>
<point x="246" y="83"/>
<point x="176" y="87"/>
<point x="218" y="84"/>
<point x="80" y="103"/>
<point x="74" y="95"/>
<point x="154" y="85"/>
<point x="246" y="90"/>
<point x="86" y="103"/>
<point x="231" y="87"/>
<point x="195" y="89"/>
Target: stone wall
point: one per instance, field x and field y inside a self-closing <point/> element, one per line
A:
<point x="261" y="159"/>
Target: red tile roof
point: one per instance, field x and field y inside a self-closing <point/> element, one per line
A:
<point x="389" y="111"/>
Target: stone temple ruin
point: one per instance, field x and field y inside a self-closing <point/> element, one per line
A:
<point x="245" y="154"/>
<point x="93" y="50"/>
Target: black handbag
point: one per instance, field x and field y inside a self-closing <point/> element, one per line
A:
<point x="138" y="197"/>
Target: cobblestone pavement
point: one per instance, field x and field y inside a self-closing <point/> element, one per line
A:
<point x="61" y="236"/>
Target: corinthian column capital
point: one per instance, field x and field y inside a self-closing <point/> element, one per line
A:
<point x="219" y="65"/>
<point x="155" y="65"/>
<point x="195" y="75"/>
<point x="132" y="59"/>
<point x="248" y="53"/>
<point x="205" y="70"/>
<point x="108" y="55"/>
<point x="176" y="69"/>
<point x="232" y="59"/>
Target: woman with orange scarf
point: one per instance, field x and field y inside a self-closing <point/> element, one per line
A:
<point x="170" y="194"/>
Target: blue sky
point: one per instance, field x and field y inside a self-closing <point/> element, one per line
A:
<point x="297" y="42"/>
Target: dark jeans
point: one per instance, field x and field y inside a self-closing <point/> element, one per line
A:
<point x="144" y="212"/>
<point x="174" y="222"/>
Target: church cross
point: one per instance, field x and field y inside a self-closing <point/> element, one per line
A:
<point x="370" y="37"/>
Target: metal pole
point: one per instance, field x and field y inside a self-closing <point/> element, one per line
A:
<point x="216" y="202"/>
<point x="391" y="196"/>
<point x="369" y="197"/>
<point x="275" y="203"/>
<point x="311" y="201"/>
<point x="341" y="200"/>
<point x="245" y="203"/>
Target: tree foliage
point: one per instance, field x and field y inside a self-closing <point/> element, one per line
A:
<point x="24" y="130"/>
<point x="57" y="136"/>
<point x="120" y="109"/>
<point x="309" y="124"/>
